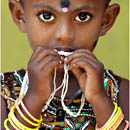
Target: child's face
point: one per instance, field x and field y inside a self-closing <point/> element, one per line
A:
<point x="46" y="25"/>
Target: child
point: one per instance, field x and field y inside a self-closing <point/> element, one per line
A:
<point x="88" y="97"/>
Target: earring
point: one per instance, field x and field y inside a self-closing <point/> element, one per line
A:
<point x="102" y="32"/>
<point x="21" y="25"/>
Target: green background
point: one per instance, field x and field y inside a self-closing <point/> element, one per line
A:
<point x="112" y="49"/>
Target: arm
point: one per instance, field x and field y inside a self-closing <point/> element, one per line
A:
<point x="104" y="111"/>
<point x="4" y="113"/>
<point x="124" y="97"/>
<point x="40" y="72"/>
<point x="91" y="82"/>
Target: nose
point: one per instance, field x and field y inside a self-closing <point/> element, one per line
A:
<point x="65" y="33"/>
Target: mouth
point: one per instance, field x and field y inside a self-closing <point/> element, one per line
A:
<point x="64" y="50"/>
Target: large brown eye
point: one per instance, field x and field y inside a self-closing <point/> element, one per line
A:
<point x="46" y="16"/>
<point x="83" y="17"/>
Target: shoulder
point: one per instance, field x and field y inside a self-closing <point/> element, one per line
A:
<point x="11" y="85"/>
<point x="123" y="96"/>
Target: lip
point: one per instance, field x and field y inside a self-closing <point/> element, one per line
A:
<point x="64" y="48"/>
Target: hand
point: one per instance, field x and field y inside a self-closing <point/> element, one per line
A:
<point x="88" y="71"/>
<point x="40" y="70"/>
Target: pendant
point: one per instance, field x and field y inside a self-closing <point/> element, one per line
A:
<point x="60" y="115"/>
<point x="69" y="124"/>
<point x="85" y="125"/>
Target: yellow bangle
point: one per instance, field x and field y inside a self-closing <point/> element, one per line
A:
<point x="5" y="124"/>
<point x="24" y="117"/>
<point x="114" y="112"/>
<point x="12" y="124"/>
<point x="118" y="122"/>
<point x="114" y="119"/>
<point x="19" y="124"/>
<point x="28" y="113"/>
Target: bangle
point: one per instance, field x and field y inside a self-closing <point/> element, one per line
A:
<point x="5" y="124"/>
<point x="118" y="122"/>
<point x="24" y="117"/>
<point x="114" y="112"/>
<point x="114" y="120"/>
<point x="28" y="113"/>
<point x="11" y="115"/>
<point x="127" y="125"/>
<point x="12" y="124"/>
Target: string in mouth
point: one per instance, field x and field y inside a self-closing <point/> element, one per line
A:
<point x="63" y="53"/>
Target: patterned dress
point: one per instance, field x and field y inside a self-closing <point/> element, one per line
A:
<point x="55" y="117"/>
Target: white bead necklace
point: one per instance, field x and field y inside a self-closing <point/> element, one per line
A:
<point x="64" y="86"/>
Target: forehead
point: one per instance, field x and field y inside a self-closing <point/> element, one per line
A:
<point x="73" y="3"/>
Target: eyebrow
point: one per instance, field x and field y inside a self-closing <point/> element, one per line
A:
<point x="44" y="5"/>
<point x="86" y="7"/>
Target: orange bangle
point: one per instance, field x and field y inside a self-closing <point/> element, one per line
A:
<point x="127" y="125"/>
<point x="28" y="113"/>
<point x="117" y="123"/>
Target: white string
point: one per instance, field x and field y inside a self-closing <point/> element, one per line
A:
<point x="2" y="76"/>
<point x="24" y="85"/>
<point x="54" y="91"/>
<point x="64" y="86"/>
<point x="18" y="76"/>
<point x="116" y="88"/>
<point x="63" y="53"/>
<point x="64" y="92"/>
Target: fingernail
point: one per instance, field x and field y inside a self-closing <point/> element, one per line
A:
<point x="69" y="67"/>
<point x="74" y="65"/>
<point x="62" y="58"/>
<point x="60" y="62"/>
<point x="65" y="59"/>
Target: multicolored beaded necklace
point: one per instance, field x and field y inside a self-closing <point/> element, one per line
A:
<point x="56" y="118"/>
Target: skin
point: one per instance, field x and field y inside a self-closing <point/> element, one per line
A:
<point x="66" y="32"/>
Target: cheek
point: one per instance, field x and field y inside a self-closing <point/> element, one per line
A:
<point x="38" y="35"/>
<point x="87" y="37"/>
<point x="89" y="33"/>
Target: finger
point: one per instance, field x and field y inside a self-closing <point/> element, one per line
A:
<point x="85" y="51"/>
<point x="80" y="53"/>
<point x="87" y="59"/>
<point x="45" y="52"/>
<point x="86" y="65"/>
<point x="81" y="76"/>
<point x="48" y="59"/>
<point x="77" y="72"/>
<point x="36" y="52"/>
<point x="49" y="68"/>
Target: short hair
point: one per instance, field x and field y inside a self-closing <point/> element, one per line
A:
<point x="107" y="2"/>
<point x="21" y="2"/>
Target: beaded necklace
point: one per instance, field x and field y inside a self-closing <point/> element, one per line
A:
<point x="54" y="117"/>
<point x="63" y="119"/>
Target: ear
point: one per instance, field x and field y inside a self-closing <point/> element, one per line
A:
<point x="17" y="13"/>
<point x="109" y="18"/>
